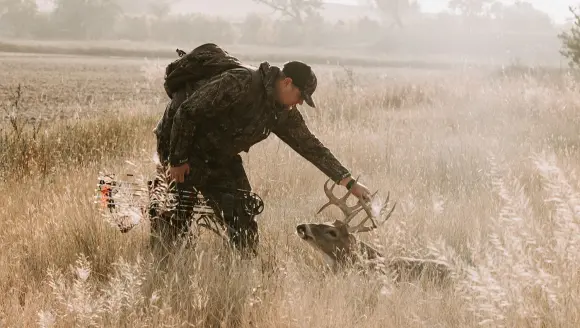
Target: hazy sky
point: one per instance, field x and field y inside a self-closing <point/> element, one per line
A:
<point x="557" y="9"/>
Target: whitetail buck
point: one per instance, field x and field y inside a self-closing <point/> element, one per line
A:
<point x="341" y="248"/>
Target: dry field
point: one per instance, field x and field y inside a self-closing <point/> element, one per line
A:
<point x="482" y="165"/>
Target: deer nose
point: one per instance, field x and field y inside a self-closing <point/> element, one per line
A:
<point x="301" y="230"/>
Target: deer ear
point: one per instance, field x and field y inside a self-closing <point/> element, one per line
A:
<point x="343" y="228"/>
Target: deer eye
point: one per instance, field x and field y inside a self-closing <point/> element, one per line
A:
<point x="332" y="233"/>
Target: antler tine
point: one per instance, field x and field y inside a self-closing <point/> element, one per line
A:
<point x="360" y="227"/>
<point x="348" y="211"/>
<point x="383" y="210"/>
<point x="361" y="206"/>
<point x="384" y="207"/>
<point x="331" y="198"/>
<point x="353" y="214"/>
<point x="370" y="215"/>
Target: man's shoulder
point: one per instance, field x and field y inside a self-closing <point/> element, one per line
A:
<point x="232" y="86"/>
<point x="247" y="78"/>
<point x="238" y="74"/>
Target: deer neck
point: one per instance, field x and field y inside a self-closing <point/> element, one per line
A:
<point x="352" y="254"/>
<point x="368" y="252"/>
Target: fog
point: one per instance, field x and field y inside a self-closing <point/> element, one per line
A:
<point x="459" y="31"/>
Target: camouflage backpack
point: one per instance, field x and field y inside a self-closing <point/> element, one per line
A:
<point x="200" y="64"/>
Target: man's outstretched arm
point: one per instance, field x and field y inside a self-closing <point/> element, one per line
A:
<point x="217" y="95"/>
<point x="294" y="132"/>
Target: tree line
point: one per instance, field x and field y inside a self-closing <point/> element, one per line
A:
<point x="401" y="24"/>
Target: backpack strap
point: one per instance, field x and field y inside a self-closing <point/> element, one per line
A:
<point x="257" y="84"/>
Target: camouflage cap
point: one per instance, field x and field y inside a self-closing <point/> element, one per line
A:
<point x="303" y="78"/>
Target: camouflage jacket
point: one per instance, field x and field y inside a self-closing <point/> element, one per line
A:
<point x="235" y="110"/>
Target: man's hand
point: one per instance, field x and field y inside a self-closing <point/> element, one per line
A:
<point x="358" y="189"/>
<point x="178" y="173"/>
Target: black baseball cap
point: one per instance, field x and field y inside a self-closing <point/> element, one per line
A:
<point x="303" y="78"/>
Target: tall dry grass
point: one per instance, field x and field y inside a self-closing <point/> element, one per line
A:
<point x="482" y="165"/>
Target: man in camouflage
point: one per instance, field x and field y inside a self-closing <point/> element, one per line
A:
<point x="220" y="117"/>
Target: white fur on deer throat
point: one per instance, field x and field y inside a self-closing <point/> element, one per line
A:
<point x="329" y="260"/>
<point x="310" y="241"/>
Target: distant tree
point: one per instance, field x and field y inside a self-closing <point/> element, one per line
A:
<point x="394" y="9"/>
<point x="571" y="41"/>
<point x="161" y="8"/>
<point x="471" y="8"/>
<point x="296" y="10"/>
<point x="86" y="19"/>
<point x="521" y="16"/>
<point x="252" y="29"/>
<point x="17" y="16"/>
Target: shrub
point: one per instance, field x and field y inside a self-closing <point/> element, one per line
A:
<point x="571" y="41"/>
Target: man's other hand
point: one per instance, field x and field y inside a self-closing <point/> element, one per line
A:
<point x="178" y="173"/>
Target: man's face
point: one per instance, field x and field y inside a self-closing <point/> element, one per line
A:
<point x="288" y="94"/>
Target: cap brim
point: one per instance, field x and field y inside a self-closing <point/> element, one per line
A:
<point x="308" y="99"/>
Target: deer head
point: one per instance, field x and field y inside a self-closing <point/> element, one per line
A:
<point x="336" y="240"/>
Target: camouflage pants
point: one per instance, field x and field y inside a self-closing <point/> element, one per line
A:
<point x="216" y="184"/>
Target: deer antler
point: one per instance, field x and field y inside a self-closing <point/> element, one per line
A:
<point x="361" y="228"/>
<point x="348" y="211"/>
<point x="351" y="211"/>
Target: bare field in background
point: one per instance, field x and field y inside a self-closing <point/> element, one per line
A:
<point x="483" y="165"/>
<point x="363" y="55"/>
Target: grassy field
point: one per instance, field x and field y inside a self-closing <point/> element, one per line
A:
<point x="483" y="166"/>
